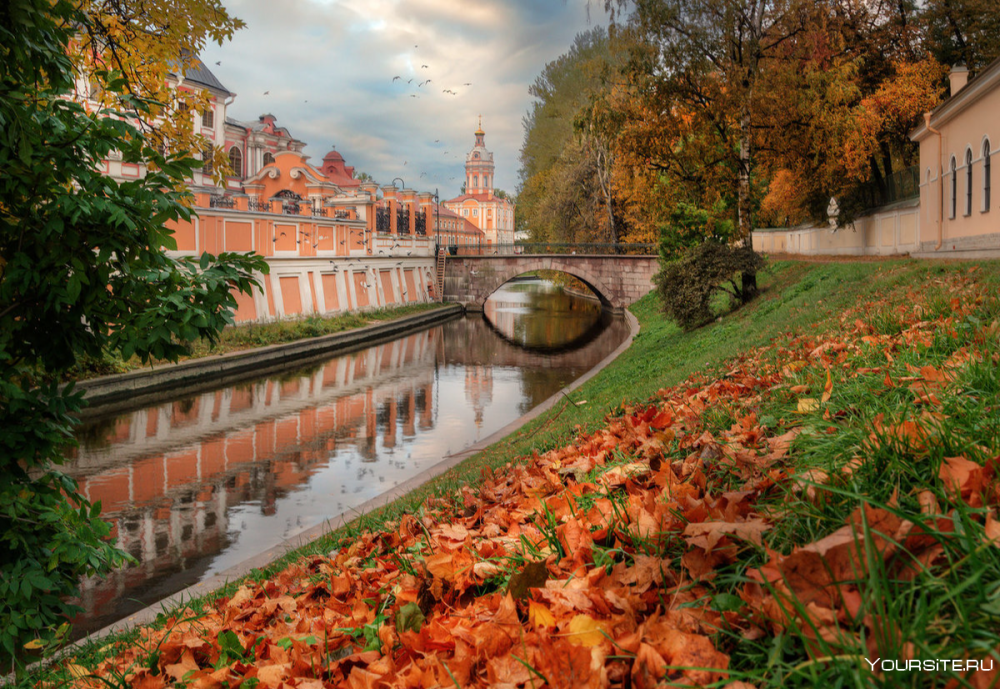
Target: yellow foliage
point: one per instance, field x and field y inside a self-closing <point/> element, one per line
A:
<point x="148" y="43"/>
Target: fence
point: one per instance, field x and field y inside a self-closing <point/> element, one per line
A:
<point x="556" y="248"/>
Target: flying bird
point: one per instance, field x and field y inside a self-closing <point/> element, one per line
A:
<point x="423" y="66"/>
<point x="396" y="77"/>
<point x="467" y="84"/>
<point x="413" y="95"/>
<point x="219" y="62"/>
<point x="410" y="81"/>
<point x="266" y="92"/>
<point x="437" y="141"/>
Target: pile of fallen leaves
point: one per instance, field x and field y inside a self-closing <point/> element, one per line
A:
<point x="594" y="564"/>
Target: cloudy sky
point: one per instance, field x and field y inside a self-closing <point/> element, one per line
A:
<point x="329" y="68"/>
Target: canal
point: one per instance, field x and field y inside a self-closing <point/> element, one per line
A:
<point x="199" y="483"/>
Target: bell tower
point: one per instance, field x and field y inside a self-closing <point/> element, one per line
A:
<point x="479" y="165"/>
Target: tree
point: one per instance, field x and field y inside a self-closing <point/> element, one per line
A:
<point x="140" y="44"/>
<point x="83" y="271"/>
<point x="566" y="190"/>
<point x="962" y="31"/>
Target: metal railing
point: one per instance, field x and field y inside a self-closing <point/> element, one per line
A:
<point x="256" y="204"/>
<point x="420" y="223"/>
<point x="221" y="202"/>
<point x="899" y="186"/>
<point x="556" y="248"/>
<point x="319" y="211"/>
<point x="402" y="220"/>
<point x="383" y="221"/>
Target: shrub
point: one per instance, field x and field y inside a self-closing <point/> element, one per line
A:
<point x="686" y="285"/>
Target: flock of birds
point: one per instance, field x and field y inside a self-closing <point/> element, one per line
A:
<point x="421" y="84"/>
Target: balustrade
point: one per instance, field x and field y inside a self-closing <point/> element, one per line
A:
<point x="221" y="202"/>
<point x="259" y="205"/>
<point x="383" y="222"/>
<point x="402" y="220"/>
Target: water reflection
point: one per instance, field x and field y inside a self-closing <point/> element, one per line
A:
<point x="197" y="484"/>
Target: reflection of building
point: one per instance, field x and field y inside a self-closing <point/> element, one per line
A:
<point x="170" y="476"/>
<point x="479" y="389"/>
<point x="490" y="213"/>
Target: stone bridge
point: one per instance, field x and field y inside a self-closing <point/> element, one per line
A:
<point x="618" y="281"/>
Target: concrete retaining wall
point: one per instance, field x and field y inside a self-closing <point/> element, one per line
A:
<point x="111" y="394"/>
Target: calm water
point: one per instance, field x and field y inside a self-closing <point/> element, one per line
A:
<point x="199" y="483"/>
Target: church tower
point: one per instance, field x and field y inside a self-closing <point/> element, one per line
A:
<point x="479" y="166"/>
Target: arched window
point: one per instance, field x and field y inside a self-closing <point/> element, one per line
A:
<point x="206" y="162"/>
<point x="268" y="158"/>
<point x="968" y="182"/>
<point x="475" y="181"/>
<point x="986" y="176"/>
<point x="954" y="188"/>
<point x="236" y="161"/>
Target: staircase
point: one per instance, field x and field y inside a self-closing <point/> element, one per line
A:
<point x="442" y="253"/>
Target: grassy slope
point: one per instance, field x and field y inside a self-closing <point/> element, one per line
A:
<point x="797" y="297"/>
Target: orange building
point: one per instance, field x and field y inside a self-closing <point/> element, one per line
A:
<point x="451" y="229"/>
<point x="332" y="242"/>
<point x="479" y="205"/>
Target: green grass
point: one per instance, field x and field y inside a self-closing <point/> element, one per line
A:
<point x="248" y="336"/>
<point x="803" y="298"/>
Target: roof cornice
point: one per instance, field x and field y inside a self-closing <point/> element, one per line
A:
<point x="975" y="90"/>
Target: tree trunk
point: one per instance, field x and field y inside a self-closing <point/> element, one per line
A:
<point x="744" y="207"/>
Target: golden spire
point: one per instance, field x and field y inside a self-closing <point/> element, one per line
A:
<point x="480" y="130"/>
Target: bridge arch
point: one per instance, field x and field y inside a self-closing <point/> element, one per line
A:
<point x="499" y="278"/>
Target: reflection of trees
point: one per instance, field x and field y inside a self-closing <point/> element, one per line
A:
<point x="549" y="320"/>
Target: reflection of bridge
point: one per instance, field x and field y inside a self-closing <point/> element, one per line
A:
<point x="617" y="280"/>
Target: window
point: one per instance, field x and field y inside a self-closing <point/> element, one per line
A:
<point x="475" y="181"/>
<point x="954" y="188"/>
<point x="268" y="158"/>
<point x="968" y="182"/>
<point x="475" y="212"/>
<point x="208" y="118"/>
<point x="986" y="176"/>
<point x="206" y="165"/>
<point x="236" y="161"/>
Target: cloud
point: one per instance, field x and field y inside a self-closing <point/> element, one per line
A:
<point x="341" y="57"/>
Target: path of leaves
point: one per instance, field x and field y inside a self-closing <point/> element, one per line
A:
<point x="591" y="565"/>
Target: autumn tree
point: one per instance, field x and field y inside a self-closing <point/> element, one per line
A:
<point x="84" y="271"/>
<point x="135" y="49"/>
<point x="567" y="157"/>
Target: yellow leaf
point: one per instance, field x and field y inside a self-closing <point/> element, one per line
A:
<point x="77" y="671"/>
<point x="540" y="616"/>
<point x="828" y="388"/>
<point x="806" y="405"/>
<point x="34" y="644"/>
<point x="584" y="630"/>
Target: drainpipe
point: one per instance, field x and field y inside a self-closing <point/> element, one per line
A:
<point x="927" y="122"/>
